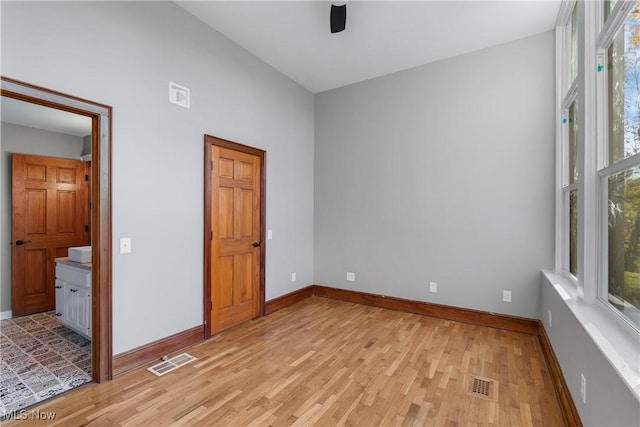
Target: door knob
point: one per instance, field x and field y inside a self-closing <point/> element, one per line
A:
<point x="256" y="244"/>
<point x="22" y="242"/>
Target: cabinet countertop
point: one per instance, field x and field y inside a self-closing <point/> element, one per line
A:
<point x="66" y="261"/>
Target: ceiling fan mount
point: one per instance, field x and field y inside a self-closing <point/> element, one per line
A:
<point x="338" y="17"/>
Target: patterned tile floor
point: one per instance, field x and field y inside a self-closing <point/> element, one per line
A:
<point x="39" y="358"/>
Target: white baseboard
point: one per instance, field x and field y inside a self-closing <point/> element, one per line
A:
<point x="5" y="315"/>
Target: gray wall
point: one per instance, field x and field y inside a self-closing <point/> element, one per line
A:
<point x="25" y="140"/>
<point x="124" y="54"/>
<point x="610" y="402"/>
<point x="441" y="173"/>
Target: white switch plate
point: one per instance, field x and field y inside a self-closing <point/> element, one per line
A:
<point x="583" y="388"/>
<point x="269" y="234"/>
<point x="351" y="277"/>
<point x="293" y="277"/>
<point x="550" y="319"/>
<point x="125" y="245"/>
<point x="433" y="287"/>
<point x="506" y="296"/>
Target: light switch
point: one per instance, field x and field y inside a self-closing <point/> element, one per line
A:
<point x="125" y="245"/>
<point x="269" y="234"/>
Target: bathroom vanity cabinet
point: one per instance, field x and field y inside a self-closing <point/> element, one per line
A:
<point x="73" y="295"/>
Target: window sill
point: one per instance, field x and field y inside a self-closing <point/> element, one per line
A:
<point x="618" y="343"/>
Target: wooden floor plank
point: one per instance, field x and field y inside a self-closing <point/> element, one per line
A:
<point x="328" y="362"/>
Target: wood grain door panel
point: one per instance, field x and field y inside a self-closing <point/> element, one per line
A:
<point x="50" y="213"/>
<point x="235" y="221"/>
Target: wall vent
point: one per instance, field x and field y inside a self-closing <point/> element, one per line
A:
<point x="171" y="364"/>
<point x="179" y="95"/>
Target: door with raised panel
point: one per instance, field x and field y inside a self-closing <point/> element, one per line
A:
<point x="235" y="271"/>
<point x="50" y="213"/>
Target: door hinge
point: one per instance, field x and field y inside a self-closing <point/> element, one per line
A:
<point x="86" y="177"/>
<point x="212" y="235"/>
<point x="210" y="305"/>
<point x="211" y="164"/>
<point x="86" y="228"/>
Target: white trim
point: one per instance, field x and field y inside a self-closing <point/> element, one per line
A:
<point x="619" y="166"/>
<point x="6" y="315"/>
<point x="588" y="184"/>
<point x="571" y="96"/>
<point x="616" y="20"/>
<point x="564" y="15"/>
<point x="559" y="149"/>
<point x="602" y="113"/>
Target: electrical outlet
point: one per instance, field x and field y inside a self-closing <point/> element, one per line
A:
<point x="506" y="296"/>
<point x="433" y="287"/>
<point x="351" y="276"/>
<point x="550" y="319"/>
<point x="293" y="277"/>
<point x="583" y="388"/>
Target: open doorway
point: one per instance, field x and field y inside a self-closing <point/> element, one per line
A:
<point x="94" y="145"/>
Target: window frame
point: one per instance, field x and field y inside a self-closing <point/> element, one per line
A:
<point x="606" y="36"/>
<point x="567" y="94"/>
<point x="570" y="99"/>
<point x="589" y="89"/>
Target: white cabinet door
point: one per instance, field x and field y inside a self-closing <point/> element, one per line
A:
<point x="75" y="298"/>
<point x="84" y="312"/>
<point x="60" y="298"/>
<point x="71" y="306"/>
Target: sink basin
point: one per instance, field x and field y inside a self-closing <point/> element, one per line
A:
<point x="80" y="254"/>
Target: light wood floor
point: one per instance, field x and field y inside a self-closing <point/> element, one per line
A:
<point x="323" y="362"/>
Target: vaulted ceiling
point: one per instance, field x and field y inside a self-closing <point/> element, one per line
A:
<point x="381" y="37"/>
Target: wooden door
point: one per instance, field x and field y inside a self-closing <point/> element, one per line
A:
<point x="236" y="252"/>
<point x="50" y="213"/>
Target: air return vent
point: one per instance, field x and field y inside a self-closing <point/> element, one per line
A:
<point x="171" y="364"/>
<point x="179" y="95"/>
<point x="482" y="387"/>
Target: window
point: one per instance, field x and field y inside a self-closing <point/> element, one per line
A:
<point x="573" y="38"/>
<point x="623" y="243"/>
<point x="608" y="7"/>
<point x="570" y="145"/>
<point x="598" y="182"/>
<point x="570" y="190"/>
<point x="620" y="174"/>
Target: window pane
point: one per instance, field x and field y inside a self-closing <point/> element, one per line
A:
<point x="624" y="90"/>
<point x="573" y="232"/>
<point x="573" y="142"/>
<point x="574" y="42"/>
<point x="624" y="243"/>
<point x="608" y="7"/>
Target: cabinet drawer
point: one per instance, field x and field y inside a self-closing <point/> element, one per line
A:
<point x="74" y="276"/>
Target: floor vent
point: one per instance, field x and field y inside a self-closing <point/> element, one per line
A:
<point x="481" y="387"/>
<point x="169" y="365"/>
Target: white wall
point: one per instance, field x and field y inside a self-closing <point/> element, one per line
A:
<point x="124" y="54"/>
<point x="442" y="173"/>
<point x="610" y="402"/>
<point x="25" y="140"/>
